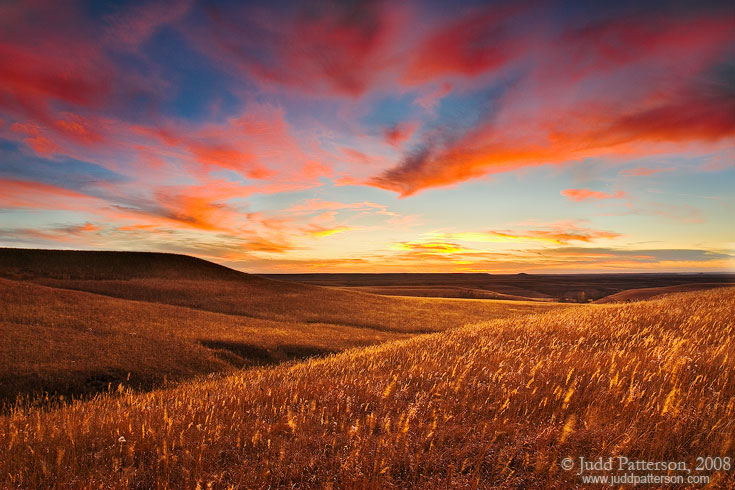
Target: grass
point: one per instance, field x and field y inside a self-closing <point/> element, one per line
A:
<point x="174" y="317"/>
<point x="495" y="404"/>
<point x="648" y="293"/>
<point x="73" y="343"/>
<point x="442" y="292"/>
<point x="580" y="288"/>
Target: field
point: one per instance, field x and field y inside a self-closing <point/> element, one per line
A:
<point x="494" y="404"/>
<point x="76" y="323"/>
<point x="648" y="293"/>
<point x="578" y="288"/>
<point x="139" y="371"/>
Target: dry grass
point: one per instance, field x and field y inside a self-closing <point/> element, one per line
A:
<point x="73" y="343"/>
<point x="648" y="293"/>
<point x="257" y="297"/>
<point x="441" y="292"/>
<point x="491" y="405"/>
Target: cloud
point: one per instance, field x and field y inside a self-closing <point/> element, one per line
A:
<point x="603" y="91"/>
<point x="320" y="232"/>
<point x="432" y="248"/>
<point x="317" y="205"/>
<point x="36" y="195"/>
<point x="474" y="43"/>
<point x="642" y="171"/>
<point x="328" y="47"/>
<point x="555" y="233"/>
<point x="430" y="99"/>
<point x="179" y="125"/>
<point x="641" y="256"/>
<point x="398" y="134"/>
<point x="132" y="27"/>
<point x="587" y="194"/>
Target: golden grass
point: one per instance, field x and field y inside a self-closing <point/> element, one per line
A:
<point x="258" y="297"/>
<point x="441" y="292"/>
<point x="76" y="343"/>
<point x="640" y="294"/>
<point x="490" y="405"/>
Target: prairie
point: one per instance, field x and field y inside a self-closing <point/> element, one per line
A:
<point x="648" y="293"/>
<point x="580" y="288"/>
<point x="78" y="323"/>
<point x="493" y="404"/>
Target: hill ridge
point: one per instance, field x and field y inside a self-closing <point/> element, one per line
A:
<point x="22" y="263"/>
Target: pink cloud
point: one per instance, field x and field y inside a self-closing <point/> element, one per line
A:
<point x="642" y="171"/>
<point x="587" y="194"/>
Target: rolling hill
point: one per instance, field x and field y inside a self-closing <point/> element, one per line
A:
<point x="75" y="323"/>
<point x="494" y="404"/>
<point x="648" y="293"/>
<point x="580" y="288"/>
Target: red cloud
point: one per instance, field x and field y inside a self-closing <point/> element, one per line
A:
<point x="69" y="72"/>
<point x="332" y="47"/>
<point x="33" y="138"/>
<point x="398" y="134"/>
<point x="134" y="26"/>
<point x="473" y="44"/>
<point x="585" y="194"/>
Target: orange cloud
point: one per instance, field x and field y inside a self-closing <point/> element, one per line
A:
<point x="585" y="194"/>
<point x="569" y="108"/>
<point x="319" y="232"/>
<point x="556" y="233"/>
<point x="432" y="248"/>
<point x="36" y="195"/>
<point x="642" y="171"/>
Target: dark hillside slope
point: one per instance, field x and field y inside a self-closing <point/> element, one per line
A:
<point x="18" y="263"/>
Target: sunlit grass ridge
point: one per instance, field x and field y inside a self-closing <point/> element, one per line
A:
<point x="495" y="404"/>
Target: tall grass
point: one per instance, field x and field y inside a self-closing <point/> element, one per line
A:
<point x="489" y="405"/>
<point x="72" y="343"/>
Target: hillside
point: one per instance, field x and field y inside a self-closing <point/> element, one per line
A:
<point x="443" y="292"/>
<point x="648" y="293"/>
<point x="74" y="343"/>
<point x="546" y="287"/>
<point x="71" y="328"/>
<point x="227" y="291"/>
<point x="28" y="264"/>
<point x="492" y="405"/>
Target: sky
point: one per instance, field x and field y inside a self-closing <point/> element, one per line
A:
<point x="373" y="136"/>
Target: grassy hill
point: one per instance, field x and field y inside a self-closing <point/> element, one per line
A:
<point x="648" y="293"/>
<point x="495" y="404"/>
<point x="580" y="288"/>
<point x="28" y="264"/>
<point x="74" y="323"/>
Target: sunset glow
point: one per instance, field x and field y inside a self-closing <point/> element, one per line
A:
<point x="373" y="136"/>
